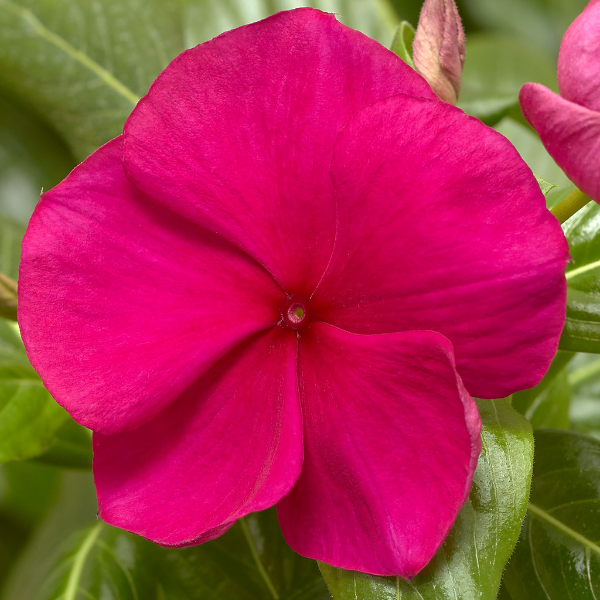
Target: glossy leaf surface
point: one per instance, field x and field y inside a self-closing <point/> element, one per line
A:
<point x="470" y="563"/>
<point x="558" y="554"/>
<point x="29" y="417"/>
<point x="582" y="327"/>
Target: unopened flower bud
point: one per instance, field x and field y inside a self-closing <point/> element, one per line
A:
<point x="439" y="48"/>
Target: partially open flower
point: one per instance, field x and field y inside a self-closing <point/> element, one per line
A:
<point x="281" y="286"/>
<point x="439" y="48"/>
<point x="569" y="124"/>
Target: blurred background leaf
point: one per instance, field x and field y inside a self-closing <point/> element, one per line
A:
<point x="29" y="417"/>
<point x="70" y="71"/>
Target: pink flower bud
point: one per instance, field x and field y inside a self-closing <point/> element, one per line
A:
<point x="569" y="124"/>
<point x="439" y="48"/>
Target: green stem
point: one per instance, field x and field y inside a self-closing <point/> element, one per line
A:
<point x="569" y="205"/>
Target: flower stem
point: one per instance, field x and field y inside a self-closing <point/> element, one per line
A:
<point x="569" y="205"/>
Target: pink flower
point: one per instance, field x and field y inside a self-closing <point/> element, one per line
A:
<point x="277" y="287"/>
<point x="569" y="124"/>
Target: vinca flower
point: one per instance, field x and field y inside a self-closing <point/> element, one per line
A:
<point x="283" y="284"/>
<point x="569" y="124"/>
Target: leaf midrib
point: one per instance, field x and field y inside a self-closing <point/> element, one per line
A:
<point x="59" y="42"/>
<point x="79" y="562"/>
<point x="542" y="514"/>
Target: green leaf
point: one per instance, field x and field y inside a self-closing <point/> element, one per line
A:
<point x="205" y="19"/>
<point x="541" y="21"/>
<point x="29" y="417"/>
<point x="26" y="492"/>
<point x="83" y="65"/>
<point x="532" y="151"/>
<point x="496" y="67"/>
<point x="73" y="508"/>
<point x="11" y="234"/>
<point x="32" y="158"/>
<point x="250" y="562"/>
<point x="101" y="562"/>
<point x="547" y="404"/>
<point x="402" y="42"/>
<point x="584" y="378"/>
<point x="545" y="186"/>
<point x="558" y="554"/>
<point x="469" y="565"/>
<point x="72" y="448"/>
<point x="582" y="327"/>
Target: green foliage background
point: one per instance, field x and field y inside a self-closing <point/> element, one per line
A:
<point x="70" y="73"/>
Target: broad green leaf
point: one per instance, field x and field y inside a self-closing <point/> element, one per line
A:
<point x="402" y="42"/>
<point x="83" y="65"/>
<point x="470" y="563"/>
<point x="29" y="417"/>
<point x="547" y="404"/>
<point x="32" y="158"/>
<point x="250" y="562"/>
<point x="558" y="554"/>
<point x="496" y="67"/>
<point x="582" y="327"/>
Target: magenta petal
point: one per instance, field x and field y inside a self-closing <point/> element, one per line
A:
<point x="391" y="445"/>
<point x="444" y="228"/>
<point x="570" y="133"/>
<point x="230" y="445"/>
<point x="122" y="305"/>
<point x="579" y="59"/>
<point x="237" y="133"/>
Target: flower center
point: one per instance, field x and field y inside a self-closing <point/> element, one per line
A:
<point x="294" y="312"/>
